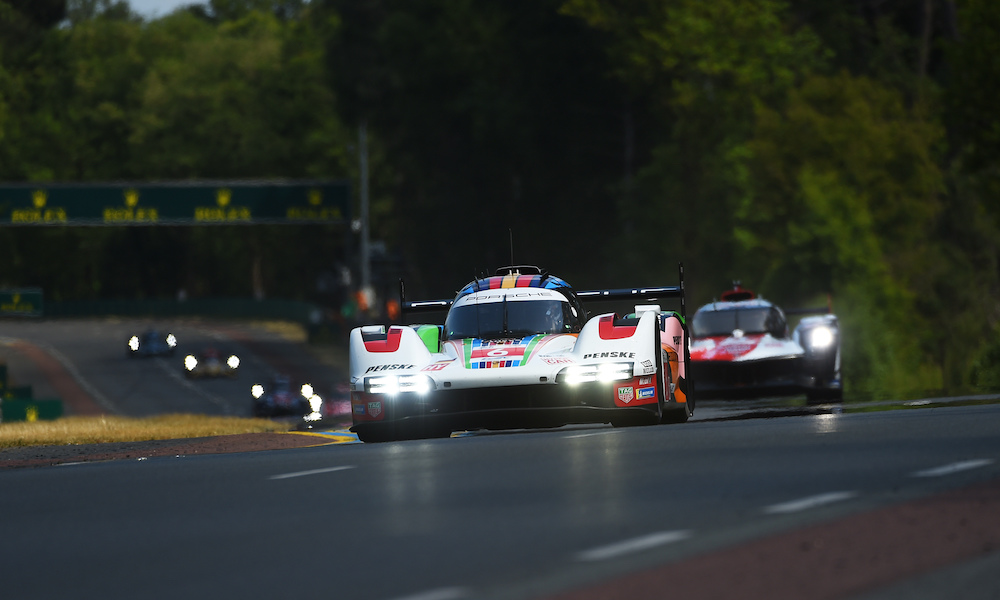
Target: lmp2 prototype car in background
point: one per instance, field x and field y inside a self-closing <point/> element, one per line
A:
<point x="517" y="351"/>
<point x="741" y="348"/>
<point x="152" y="342"/>
<point x="280" y="398"/>
<point x="209" y="363"/>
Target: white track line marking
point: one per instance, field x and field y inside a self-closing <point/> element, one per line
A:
<point x="808" y="502"/>
<point x="312" y="472"/>
<point x="86" y="385"/>
<point x="956" y="467"/>
<point x="450" y="593"/>
<point x="184" y="381"/>
<point x="633" y="545"/>
<point x="583" y="435"/>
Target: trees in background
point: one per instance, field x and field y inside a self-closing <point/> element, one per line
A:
<point x="235" y="93"/>
<point x="806" y="147"/>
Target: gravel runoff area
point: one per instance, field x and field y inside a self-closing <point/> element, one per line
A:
<point x="40" y="456"/>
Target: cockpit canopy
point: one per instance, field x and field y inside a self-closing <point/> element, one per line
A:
<point x="750" y="320"/>
<point x="511" y="313"/>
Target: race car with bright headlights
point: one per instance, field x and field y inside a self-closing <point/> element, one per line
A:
<point x="152" y="342"/>
<point x="279" y="398"/>
<point x="517" y="350"/>
<point x="209" y="363"/>
<point x="741" y="347"/>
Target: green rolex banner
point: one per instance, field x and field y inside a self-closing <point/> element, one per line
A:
<point x="179" y="203"/>
<point x="24" y="302"/>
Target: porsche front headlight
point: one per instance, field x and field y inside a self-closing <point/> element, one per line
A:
<point x="396" y="384"/>
<point x="133" y="343"/>
<point x="190" y="362"/>
<point x="233" y="362"/>
<point x="257" y="390"/>
<point x="602" y="372"/>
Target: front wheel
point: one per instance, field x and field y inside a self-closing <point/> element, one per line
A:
<point x="673" y="413"/>
<point x="670" y="412"/>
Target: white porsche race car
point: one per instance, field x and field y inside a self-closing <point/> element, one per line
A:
<point x="517" y="351"/>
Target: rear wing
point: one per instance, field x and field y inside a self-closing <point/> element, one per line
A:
<point x="642" y="294"/>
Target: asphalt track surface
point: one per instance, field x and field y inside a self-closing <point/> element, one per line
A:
<point x="748" y="500"/>
<point x="95" y="353"/>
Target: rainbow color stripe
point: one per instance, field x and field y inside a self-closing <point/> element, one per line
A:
<point x="491" y="354"/>
<point x="547" y="282"/>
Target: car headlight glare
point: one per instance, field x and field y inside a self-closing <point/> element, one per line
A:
<point x="580" y="374"/>
<point x="233" y="362"/>
<point x="418" y="384"/>
<point x="257" y="390"/>
<point x="133" y="343"/>
<point x="395" y="384"/>
<point x="614" y="371"/>
<point x="307" y="390"/>
<point x="820" y="337"/>
<point x="602" y="372"/>
<point x="171" y="340"/>
<point x="190" y="362"/>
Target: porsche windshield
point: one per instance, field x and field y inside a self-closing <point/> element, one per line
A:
<point x="495" y="320"/>
<point x="709" y="323"/>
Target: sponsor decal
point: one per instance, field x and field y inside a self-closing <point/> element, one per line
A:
<point x="648" y="364"/>
<point x="645" y="380"/>
<point x="378" y="368"/>
<point x="437" y="366"/>
<point x="609" y="355"/>
<point x="643" y="393"/>
<point x="626" y="394"/>
<point x="557" y="361"/>
<point x="677" y="340"/>
<point x="359" y="409"/>
<point x="495" y="354"/>
<point x="374" y="408"/>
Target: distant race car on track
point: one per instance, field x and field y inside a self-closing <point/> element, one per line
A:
<point x="279" y="398"/>
<point x="152" y="342"/>
<point x="741" y="347"/>
<point x="209" y="363"/>
<point x="517" y="350"/>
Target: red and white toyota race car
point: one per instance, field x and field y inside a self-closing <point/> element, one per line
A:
<point x="517" y="351"/>
<point x="741" y="347"/>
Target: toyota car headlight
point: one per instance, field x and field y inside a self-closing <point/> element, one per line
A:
<point x="821" y="337"/>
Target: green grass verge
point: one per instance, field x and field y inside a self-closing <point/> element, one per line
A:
<point x="105" y="429"/>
